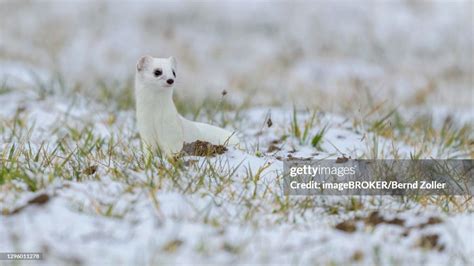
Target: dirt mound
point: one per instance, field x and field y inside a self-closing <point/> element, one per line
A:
<point x="202" y="148"/>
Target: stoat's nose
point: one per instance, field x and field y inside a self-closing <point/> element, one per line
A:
<point x="170" y="81"/>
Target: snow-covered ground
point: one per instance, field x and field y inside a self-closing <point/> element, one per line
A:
<point x="76" y="185"/>
<point x="137" y="216"/>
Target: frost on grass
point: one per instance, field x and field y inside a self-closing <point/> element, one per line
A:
<point x="81" y="189"/>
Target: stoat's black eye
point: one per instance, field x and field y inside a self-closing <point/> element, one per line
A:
<point x="174" y="74"/>
<point x="158" y="72"/>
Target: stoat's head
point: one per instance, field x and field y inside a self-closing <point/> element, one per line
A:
<point x="156" y="73"/>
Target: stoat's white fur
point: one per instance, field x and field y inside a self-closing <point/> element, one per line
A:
<point x="159" y="123"/>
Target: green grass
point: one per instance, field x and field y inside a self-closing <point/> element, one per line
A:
<point x="452" y="139"/>
<point x="221" y="194"/>
<point x="303" y="132"/>
<point x="81" y="155"/>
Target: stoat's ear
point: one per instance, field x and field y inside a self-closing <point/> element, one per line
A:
<point x="173" y="62"/>
<point x="142" y="62"/>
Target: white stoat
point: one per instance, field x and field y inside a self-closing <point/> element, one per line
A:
<point x="159" y="123"/>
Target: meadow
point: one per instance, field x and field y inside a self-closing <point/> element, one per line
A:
<point x="320" y="80"/>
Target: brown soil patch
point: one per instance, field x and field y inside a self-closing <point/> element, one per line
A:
<point x="90" y="170"/>
<point x="273" y="148"/>
<point x="202" y="148"/>
<point x="41" y="199"/>
<point x="346" y="226"/>
<point x="375" y="218"/>
<point x="430" y="242"/>
<point x="342" y="159"/>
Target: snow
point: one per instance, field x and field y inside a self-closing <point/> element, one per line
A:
<point x="73" y="227"/>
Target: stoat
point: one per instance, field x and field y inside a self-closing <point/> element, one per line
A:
<point x="159" y="123"/>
